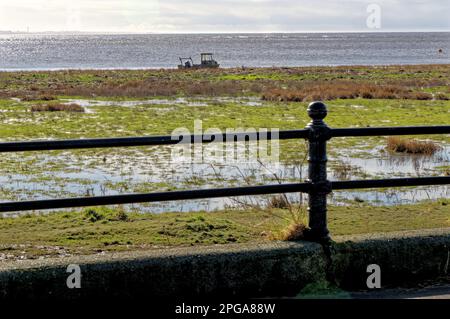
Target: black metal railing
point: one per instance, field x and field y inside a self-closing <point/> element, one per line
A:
<point x="317" y="186"/>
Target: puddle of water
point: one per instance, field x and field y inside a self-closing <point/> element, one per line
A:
<point x="245" y="101"/>
<point x="90" y="103"/>
<point x="392" y="196"/>
<point x="384" y="164"/>
<point x="358" y="106"/>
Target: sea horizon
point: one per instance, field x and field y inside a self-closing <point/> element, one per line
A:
<point x="217" y="32"/>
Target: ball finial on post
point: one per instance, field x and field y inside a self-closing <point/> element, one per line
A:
<point x="317" y="111"/>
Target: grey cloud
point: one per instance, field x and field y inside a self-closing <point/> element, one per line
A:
<point x="312" y="15"/>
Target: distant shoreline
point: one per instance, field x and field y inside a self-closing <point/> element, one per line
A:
<point x="222" y="68"/>
<point x="209" y="33"/>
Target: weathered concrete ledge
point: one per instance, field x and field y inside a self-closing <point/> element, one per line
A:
<point x="275" y="268"/>
<point x="268" y="269"/>
<point x="404" y="257"/>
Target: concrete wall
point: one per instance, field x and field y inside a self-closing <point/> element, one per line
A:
<point x="269" y="269"/>
<point x="404" y="257"/>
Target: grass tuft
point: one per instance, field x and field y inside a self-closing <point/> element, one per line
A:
<point x="92" y="215"/>
<point x="57" y="108"/>
<point x="121" y="215"/>
<point x="293" y="232"/>
<point x="279" y="201"/>
<point x="314" y="91"/>
<point x="39" y="97"/>
<point x="411" y="146"/>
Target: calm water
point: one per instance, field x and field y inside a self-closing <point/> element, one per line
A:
<point x="31" y="52"/>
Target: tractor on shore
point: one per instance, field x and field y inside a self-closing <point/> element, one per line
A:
<point x="206" y="62"/>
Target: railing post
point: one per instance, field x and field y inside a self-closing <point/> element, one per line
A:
<point x="317" y="173"/>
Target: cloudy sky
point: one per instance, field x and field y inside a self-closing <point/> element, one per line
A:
<point x="224" y="15"/>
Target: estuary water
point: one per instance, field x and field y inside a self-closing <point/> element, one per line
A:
<point x="104" y="51"/>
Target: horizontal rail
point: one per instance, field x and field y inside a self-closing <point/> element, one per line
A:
<point x="213" y="193"/>
<point x="394" y="182"/>
<point x="153" y="197"/>
<point x="389" y="131"/>
<point x="47" y="145"/>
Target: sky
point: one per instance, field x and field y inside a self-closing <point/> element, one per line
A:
<point x="211" y="16"/>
